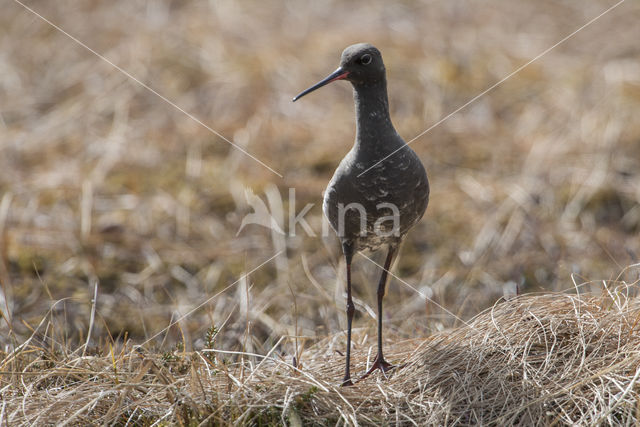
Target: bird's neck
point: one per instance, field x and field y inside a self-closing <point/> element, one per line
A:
<point x="373" y="123"/>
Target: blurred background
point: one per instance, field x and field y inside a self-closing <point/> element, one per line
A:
<point x="535" y="185"/>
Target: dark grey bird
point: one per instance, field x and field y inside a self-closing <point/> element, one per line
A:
<point x="372" y="208"/>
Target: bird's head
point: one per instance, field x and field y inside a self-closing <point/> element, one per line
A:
<point x="361" y="64"/>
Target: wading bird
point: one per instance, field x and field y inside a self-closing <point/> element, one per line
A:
<point x="372" y="203"/>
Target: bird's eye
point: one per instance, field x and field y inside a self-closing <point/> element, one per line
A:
<point x="365" y="59"/>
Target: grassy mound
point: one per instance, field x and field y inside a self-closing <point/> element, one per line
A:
<point x="534" y="360"/>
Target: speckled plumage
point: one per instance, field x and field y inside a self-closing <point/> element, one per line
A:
<point x="400" y="180"/>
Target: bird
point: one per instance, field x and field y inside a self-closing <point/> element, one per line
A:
<point x="380" y="189"/>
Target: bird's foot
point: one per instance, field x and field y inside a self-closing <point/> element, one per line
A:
<point x="346" y="382"/>
<point x="379" y="363"/>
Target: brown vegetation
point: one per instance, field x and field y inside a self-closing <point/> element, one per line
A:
<point x="532" y="360"/>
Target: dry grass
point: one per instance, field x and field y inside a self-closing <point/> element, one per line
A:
<point x="531" y="360"/>
<point x="103" y="183"/>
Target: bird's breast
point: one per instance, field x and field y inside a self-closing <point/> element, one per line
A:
<point x="398" y="186"/>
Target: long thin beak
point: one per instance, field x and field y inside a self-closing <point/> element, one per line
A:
<point x="338" y="74"/>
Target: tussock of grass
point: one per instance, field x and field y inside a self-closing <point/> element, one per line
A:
<point x="100" y="180"/>
<point x="534" y="360"/>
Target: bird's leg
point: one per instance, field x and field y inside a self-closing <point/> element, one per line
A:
<point x="347" y="248"/>
<point x="379" y="362"/>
